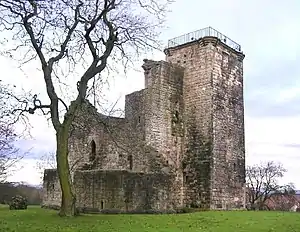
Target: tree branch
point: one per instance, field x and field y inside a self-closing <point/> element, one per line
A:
<point x="30" y="32"/>
<point x="68" y="37"/>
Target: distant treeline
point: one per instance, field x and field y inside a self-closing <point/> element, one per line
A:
<point x="31" y="193"/>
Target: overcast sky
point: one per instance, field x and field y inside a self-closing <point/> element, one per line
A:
<point x="269" y="33"/>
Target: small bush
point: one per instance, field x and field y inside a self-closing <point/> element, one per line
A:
<point x="18" y="202"/>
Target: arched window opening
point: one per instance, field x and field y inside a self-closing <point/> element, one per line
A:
<point x="177" y="116"/>
<point x="93" y="151"/>
<point x="234" y="166"/>
<point x="102" y="205"/>
<point x="130" y="162"/>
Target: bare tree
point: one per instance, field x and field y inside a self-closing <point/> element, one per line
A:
<point x="63" y="34"/>
<point x="262" y="181"/>
<point x="9" y="154"/>
<point x="284" y="201"/>
<point x="46" y="161"/>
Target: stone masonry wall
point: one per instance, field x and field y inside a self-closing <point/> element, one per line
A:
<point x="164" y="110"/>
<point x="228" y="116"/>
<point x="89" y="133"/>
<point x="214" y="157"/>
<point x="197" y="94"/>
<point x="135" y="113"/>
<point x="114" y="191"/>
<point x="164" y="128"/>
<point x="123" y="191"/>
<point x="116" y="143"/>
<point x="51" y="189"/>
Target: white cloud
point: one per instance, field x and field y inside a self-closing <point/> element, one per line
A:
<point x="275" y="130"/>
<point x="266" y="140"/>
<point x="288" y="94"/>
<point x="26" y="171"/>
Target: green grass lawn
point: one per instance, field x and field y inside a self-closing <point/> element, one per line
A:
<point x="37" y="219"/>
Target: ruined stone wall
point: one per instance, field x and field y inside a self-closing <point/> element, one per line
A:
<point x="123" y="191"/>
<point x="101" y="142"/>
<point x="51" y="189"/>
<point x="228" y="175"/>
<point x="196" y="58"/>
<point x="164" y="128"/>
<point x="164" y="109"/>
<point x="96" y="140"/>
<point x="148" y="139"/>
<point x="114" y="191"/>
<point x="135" y="114"/>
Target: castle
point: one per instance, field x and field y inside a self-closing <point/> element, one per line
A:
<point x="180" y="144"/>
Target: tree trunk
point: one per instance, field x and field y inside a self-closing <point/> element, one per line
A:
<point x="68" y="199"/>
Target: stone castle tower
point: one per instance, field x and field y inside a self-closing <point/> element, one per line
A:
<point x="181" y="143"/>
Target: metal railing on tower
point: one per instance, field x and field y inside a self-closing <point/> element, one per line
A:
<point x="196" y="35"/>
